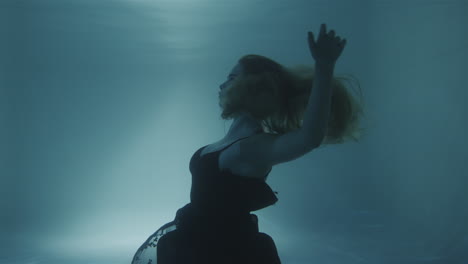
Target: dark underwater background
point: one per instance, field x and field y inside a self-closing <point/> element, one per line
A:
<point x="103" y="103"/>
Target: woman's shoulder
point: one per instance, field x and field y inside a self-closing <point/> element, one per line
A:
<point x="268" y="150"/>
<point x="248" y="161"/>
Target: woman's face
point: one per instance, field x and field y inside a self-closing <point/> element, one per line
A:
<point x="235" y="73"/>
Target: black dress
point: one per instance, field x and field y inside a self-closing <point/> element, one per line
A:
<point x="216" y="226"/>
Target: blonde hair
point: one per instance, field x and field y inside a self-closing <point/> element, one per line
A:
<point x="278" y="96"/>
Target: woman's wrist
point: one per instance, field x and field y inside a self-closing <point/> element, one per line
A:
<point x="325" y="64"/>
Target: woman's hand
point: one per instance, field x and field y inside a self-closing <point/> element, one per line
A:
<point x="328" y="47"/>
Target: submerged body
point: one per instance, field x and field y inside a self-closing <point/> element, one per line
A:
<point x="228" y="183"/>
<point x="228" y="178"/>
<point x="216" y="226"/>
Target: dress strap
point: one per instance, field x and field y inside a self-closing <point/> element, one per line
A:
<point x="256" y="132"/>
<point x="231" y="144"/>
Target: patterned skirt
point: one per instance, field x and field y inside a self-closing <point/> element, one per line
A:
<point x="192" y="239"/>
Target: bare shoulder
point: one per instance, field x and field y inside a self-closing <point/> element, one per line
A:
<point x="267" y="149"/>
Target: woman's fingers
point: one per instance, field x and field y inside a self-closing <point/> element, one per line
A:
<point x="311" y="40"/>
<point x="327" y="47"/>
<point x="343" y="43"/>
<point x="323" y="29"/>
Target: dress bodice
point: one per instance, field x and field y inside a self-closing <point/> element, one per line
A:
<point x="221" y="190"/>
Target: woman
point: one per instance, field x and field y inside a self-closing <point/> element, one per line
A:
<point x="274" y="121"/>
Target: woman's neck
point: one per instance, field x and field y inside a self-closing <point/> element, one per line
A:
<point x="243" y="125"/>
